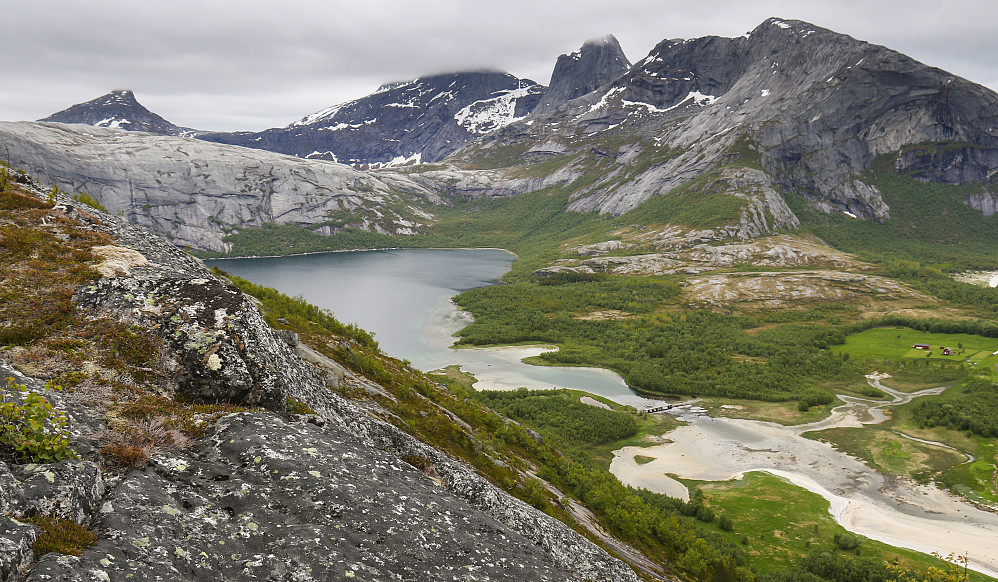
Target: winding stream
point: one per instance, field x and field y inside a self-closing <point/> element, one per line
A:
<point x="895" y="511"/>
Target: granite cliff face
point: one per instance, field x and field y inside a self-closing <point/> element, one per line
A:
<point x="266" y="495"/>
<point x="787" y="108"/>
<point x="194" y="192"/>
<point x="813" y="106"/>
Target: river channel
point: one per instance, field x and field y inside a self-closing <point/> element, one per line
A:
<point x="892" y="510"/>
<point x="403" y="297"/>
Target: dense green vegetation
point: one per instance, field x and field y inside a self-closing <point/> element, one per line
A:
<point x="688" y="353"/>
<point x="891" y="453"/>
<point x="275" y="240"/>
<point x="929" y="223"/>
<point x="32" y="431"/>
<point x="666" y="530"/>
<point x="782" y="530"/>
<point x="562" y="413"/>
<point x="788" y="535"/>
<point x="639" y="328"/>
<point x="962" y="460"/>
<point x="975" y="409"/>
<point x="59" y="535"/>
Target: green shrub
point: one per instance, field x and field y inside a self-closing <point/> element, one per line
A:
<point x="846" y="541"/>
<point x="89" y="200"/>
<point x="32" y="432"/>
<point x="298" y="407"/>
<point x="60" y="535"/>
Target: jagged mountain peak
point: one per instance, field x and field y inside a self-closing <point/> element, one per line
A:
<point x="607" y="40"/>
<point x="599" y="61"/>
<point x="816" y="106"/>
<point x="118" y="109"/>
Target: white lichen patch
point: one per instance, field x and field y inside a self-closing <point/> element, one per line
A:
<point x="214" y="363"/>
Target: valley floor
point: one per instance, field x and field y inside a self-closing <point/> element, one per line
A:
<point x="893" y="510"/>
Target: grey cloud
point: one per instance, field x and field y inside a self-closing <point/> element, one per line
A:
<point x="252" y="64"/>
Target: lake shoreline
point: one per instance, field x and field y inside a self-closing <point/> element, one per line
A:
<point x="310" y="253"/>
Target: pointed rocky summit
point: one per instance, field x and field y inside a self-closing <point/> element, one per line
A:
<point x="598" y="62"/>
<point x="118" y="110"/>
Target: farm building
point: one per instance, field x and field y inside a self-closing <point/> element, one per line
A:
<point x="921" y="346"/>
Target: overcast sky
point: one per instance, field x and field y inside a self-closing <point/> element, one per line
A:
<point x="254" y="64"/>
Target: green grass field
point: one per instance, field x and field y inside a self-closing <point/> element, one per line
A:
<point x="895" y="343"/>
<point x="888" y="452"/>
<point x="778" y="523"/>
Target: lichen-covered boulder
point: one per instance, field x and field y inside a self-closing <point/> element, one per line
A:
<point x="15" y="547"/>
<point x="221" y="348"/>
<point x="268" y="499"/>
<point x="67" y="489"/>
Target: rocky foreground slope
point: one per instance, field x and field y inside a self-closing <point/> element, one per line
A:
<point x="265" y="494"/>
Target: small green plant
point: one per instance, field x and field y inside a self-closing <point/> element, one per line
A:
<point x="60" y="535"/>
<point x="53" y="194"/>
<point x="297" y="407"/>
<point x="955" y="570"/>
<point x="32" y="432"/>
<point x="84" y="198"/>
<point x="846" y="541"/>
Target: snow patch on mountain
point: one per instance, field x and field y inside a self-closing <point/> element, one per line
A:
<point x="112" y="123"/>
<point x="321" y="115"/>
<point x="606" y="99"/>
<point x="412" y="160"/>
<point x="697" y="97"/>
<point x="487" y="115"/>
<point x="341" y="126"/>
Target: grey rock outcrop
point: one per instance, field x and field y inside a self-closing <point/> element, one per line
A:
<point x="68" y="489"/>
<point x="222" y="348"/>
<point x="119" y="110"/>
<point x="598" y="62"/>
<point x="16" y="554"/>
<point x="985" y="202"/>
<point x="267" y="499"/>
<point x="194" y="192"/>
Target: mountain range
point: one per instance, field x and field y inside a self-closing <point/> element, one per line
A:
<point x="803" y="110"/>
